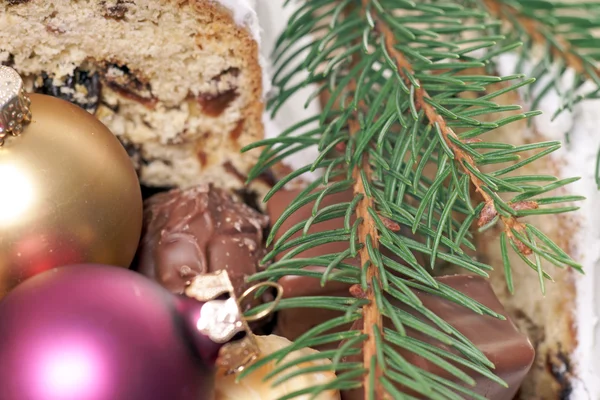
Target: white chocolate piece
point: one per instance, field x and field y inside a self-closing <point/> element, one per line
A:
<point x="253" y="387"/>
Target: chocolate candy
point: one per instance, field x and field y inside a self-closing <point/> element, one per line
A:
<point x="292" y="323"/>
<point x="196" y="231"/>
<point x="500" y="341"/>
<point x="297" y="286"/>
<point x="508" y="349"/>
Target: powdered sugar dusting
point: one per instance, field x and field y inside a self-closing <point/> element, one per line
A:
<point x="244" y="14"/>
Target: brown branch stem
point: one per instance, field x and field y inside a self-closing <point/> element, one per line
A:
<point x="372" y="317"/>
<point x="404" y="68"/>
<point x="534" y="29"/>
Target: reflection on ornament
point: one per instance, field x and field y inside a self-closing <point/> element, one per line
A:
<point x="17" y="195"/>
<point x="67" y="372"/>
<point x="43" y="250"/>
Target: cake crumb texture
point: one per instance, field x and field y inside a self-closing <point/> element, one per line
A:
<point x="177" y="81"/>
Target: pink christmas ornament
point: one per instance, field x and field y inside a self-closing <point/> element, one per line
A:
<point x="94" y="332"/>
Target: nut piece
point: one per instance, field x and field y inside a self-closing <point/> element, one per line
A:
<point x="253" y="387"/>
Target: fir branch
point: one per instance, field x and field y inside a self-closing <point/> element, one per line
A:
<point x="568" y="33"/>
<point x="395" y="71"/>
<point x="452" y="144"/>
<point x="548" y="25"/>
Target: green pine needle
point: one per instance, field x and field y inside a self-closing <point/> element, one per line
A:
<point x="408" y="125"/>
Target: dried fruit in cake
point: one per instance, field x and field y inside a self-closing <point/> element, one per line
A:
<point x="179" y="81"/>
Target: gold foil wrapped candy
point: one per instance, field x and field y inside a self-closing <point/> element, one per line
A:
<point x="253" y="386"/>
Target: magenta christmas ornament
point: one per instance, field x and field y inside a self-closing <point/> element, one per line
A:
<point x="95" y="332"/>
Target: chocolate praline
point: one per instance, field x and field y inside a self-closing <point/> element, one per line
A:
<point x="294" y="322"/>
<point x="196" y="231"/>
<point x="291" y="323"/>
<point x="499" y="340"/>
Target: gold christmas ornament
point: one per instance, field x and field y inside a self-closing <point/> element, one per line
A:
<point x="255" y="387"/>
<point x="68" y="191"/>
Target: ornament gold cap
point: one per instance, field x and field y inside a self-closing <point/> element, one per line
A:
<point x="225" y="317"/>
<point x="14" y="104"/>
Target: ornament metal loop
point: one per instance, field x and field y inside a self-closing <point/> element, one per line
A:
<point x="272" y="306"/>
<point x="223" y="320"/>
<point x="14" y="104"/>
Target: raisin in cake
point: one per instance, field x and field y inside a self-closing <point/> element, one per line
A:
<point x="178" y="81"/>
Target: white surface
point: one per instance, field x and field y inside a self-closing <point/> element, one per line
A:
<point x="273" y="19"/>
<point x="581" y="161"/>
<point x="578" y="159"/>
